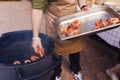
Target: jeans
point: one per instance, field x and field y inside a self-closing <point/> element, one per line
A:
<point x="74" y="60"/>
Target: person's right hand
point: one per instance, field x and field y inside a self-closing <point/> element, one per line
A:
<point x="85" y="8"/>
<point x="37" y="46"/>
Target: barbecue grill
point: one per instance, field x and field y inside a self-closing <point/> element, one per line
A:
<point x="17" y="46"/>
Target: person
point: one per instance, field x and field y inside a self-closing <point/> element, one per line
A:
<point x="44" y="13"/>
<point x="111" y="72"/>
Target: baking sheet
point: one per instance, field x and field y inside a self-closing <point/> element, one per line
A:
<point x="88" y="20"/>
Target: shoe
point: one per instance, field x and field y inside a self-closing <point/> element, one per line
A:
<point x="57" y="78"/>
<point x="77" y="76"/>
<point x="112" y="75"/>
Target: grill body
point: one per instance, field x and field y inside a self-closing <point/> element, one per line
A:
<point x="17" y="46"/>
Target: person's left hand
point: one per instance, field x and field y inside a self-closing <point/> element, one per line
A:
<point x="85" y="8"/>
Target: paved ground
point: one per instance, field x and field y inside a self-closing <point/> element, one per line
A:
<point x="94" y="59"/>
<point x="15" y="15"/>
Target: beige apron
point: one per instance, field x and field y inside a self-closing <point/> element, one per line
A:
<point x="55" y="10"/>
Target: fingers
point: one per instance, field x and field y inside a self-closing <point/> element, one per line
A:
<point x="37" y="46"/>
<point x="85" y="8"/>
<point x="41" y="52"/>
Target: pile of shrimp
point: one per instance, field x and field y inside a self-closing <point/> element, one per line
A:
<point x="32" y="58"/>
<point x="71" y="29"/>
<point x="104" y="23"/>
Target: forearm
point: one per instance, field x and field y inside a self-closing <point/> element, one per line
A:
<point x="36" y="21"/>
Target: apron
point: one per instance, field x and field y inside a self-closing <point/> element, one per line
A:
<point x="57" y="9"/>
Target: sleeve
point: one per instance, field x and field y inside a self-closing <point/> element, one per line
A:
<point x="39" y="4"/>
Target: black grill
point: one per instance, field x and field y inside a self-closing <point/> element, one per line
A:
<point x="17" y="46"/>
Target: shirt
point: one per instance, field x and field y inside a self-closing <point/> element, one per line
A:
<point x="39" y="4"/>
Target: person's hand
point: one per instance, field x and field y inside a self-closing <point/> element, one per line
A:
<point x="84" y="8"/>
<point x="37" y="46"/>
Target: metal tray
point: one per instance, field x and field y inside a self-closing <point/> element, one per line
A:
<point x="88" y="21"/>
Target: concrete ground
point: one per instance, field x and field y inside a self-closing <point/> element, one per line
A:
<point x="94" y="61"/>
<point x="16" y="15"/>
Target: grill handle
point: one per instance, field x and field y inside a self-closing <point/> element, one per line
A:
<point x="18" y="73"/>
